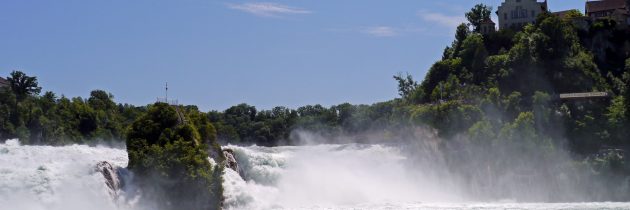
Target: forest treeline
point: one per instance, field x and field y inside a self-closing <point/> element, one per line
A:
<point x="48" y="119"/>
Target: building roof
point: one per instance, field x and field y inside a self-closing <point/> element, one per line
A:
<point x="604" y="5"/>
<point x="3" y="82"/>
<point x="561" y="14"/>
<point x="487" y="21"/>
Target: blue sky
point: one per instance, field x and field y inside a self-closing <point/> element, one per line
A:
<point x="215" y="54"/>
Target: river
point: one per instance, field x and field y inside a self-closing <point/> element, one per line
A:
<point x="331" y="177"/>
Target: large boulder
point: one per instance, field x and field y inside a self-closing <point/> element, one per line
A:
<point x="230" y="160"/>
<point x="112" y="178"/>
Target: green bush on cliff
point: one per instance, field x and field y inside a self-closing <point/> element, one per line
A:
<point x="448" y="118"/>
<point x="171" y="163"/>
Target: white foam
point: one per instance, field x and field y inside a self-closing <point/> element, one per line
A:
<point x="333" y="177"/>
<point x="339" y="177"/>
<point x="46" y="177"/>
<point x="324" y="175"/>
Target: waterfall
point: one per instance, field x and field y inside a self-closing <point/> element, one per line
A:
<point x="351" y="176"/>
<point x="357" y="176"/>
<point x="57" y="178"/>
<point x="327" y="176"/>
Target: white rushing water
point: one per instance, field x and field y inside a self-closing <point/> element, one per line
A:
<point x="349" y="177"/>
<point x="307" y="177"/>
<point x="55" y="178"/>
<point x="325" y="175"/>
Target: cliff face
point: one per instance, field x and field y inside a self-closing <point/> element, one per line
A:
<point x="230" y="160"/>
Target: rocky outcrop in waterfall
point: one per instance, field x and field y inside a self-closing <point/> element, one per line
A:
<point x="112" y="179"/>
<point x="230" y="160"/>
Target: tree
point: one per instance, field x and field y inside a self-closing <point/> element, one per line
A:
<point x="23" y="85"/>
<point x="474" y="54"/>
<point x="48" y="101"/>
<point x="521" y="131"/>
<point x="409" y="89"/>
<point x="461" y="34"/>
<point x="477" y="15"/>
<point x="541" y="103"/>
<point x="482" y="132"/>
<point x="574" y="13"/>
<point x="101" y="100"/>
<point x="448" y="118"/>
<point x="406" y="84"/>
<point x="439" y="72"/>
<point x="447" y="53"/>
<point x="172" y="163"/>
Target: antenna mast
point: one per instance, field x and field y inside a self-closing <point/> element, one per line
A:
<point x="166" y="92"/>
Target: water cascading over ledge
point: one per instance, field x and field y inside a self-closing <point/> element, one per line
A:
<point x="57" y="178"/>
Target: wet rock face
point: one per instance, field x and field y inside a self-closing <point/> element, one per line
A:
<point x="112" y="179"/>
<point x="230" y="160"/>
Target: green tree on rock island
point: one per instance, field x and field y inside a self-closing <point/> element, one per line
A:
<point x="170" y="161"/>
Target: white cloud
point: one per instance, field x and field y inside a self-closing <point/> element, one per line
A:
<point x="381" y="31"/>
<point x="442" y="19"/>
<point x="267" y="9"/>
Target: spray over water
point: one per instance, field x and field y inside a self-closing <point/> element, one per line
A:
<point x="345" y="176"/>
<point x="56" y="178"/>
<point x="407" y="175"/>
<point x="328" y="176"/>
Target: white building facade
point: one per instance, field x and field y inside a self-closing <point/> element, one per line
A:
<point x="517" y="13"/>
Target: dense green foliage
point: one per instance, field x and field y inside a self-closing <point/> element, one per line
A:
<point x="171" y="160"/>
<point x="244" y="124"/>
<point x="497" y="94"/>
<point x="547" y="57"/>
<point x="52" y="120"/>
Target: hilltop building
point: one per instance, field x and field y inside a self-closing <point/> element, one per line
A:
<point x="488" y="26"/>
<point x="518" y="13"/>
<point x="617" y="10"/>
<point x="4" y="83"/>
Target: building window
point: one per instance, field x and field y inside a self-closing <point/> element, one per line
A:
<point x="533" y="13"/>
<point x="519" y="12"/>
<point x="513" y="14"/>
<point x="505" y="15"/>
